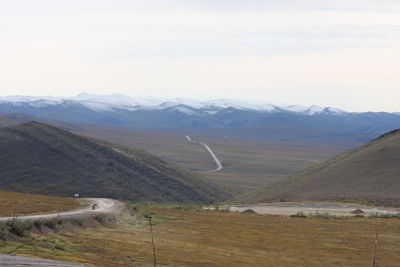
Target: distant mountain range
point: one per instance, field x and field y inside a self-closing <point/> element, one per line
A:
<point x="116" y="103"/>
<point x="262" y="120"/>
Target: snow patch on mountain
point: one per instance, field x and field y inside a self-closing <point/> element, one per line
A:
<point x="240" y="104"/>
<point x="313" y="110"/>
<point x="115" y="102"/>
<point x="25" y="99"/>
<point x="184" y="110"/>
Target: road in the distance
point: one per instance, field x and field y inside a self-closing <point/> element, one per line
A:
<point x="102" y="205"/>
<point x="291" y="208"/>
<point x="216" y="160"/>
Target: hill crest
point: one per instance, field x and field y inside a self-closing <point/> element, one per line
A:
<point x="38" y="158"/>
<point x="370" y="173"/>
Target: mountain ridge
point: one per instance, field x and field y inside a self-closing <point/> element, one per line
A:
<point x="115" y="111"/>
<point x="369" y="173"/>
<point x="117" y="101"/>
<point x="38" y="158"/>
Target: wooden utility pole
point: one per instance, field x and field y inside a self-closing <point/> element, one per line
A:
<point x="152" y="241"/>
<point x="375" y="262"/>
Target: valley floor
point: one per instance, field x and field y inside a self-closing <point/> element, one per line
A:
<point x="197" y="237"/>
<point x="312" y="208"/>
<point x="247" y="164"/>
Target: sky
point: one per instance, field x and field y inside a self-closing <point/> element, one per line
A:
<point x="342" y="53"/>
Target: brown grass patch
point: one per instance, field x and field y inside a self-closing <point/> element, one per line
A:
<point x="20" y="204"/>
<point x="212" y="238"/>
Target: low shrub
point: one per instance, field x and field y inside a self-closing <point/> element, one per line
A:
<point x="22" y="228"/>
<point x="4" y="233"/>
<point x="49" y="223"/>
<point x="324" y="215"/>
<point x="299" y="214"/>
<point x="316" y="215"/>
<point x="104" y="217"/>
<point x="384" y="215"/>
<point x="18" y="227"/>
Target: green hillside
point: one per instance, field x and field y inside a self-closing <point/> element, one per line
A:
<point x="370" y="173"/>
<point x="38" y="158"/>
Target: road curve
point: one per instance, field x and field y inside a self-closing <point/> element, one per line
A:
<point x="216" y="160"/>
<point x="102" y="205"/>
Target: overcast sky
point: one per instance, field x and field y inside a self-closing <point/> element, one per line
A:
<point x="342" y="53"/>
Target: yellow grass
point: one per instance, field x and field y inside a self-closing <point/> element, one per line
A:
<point x="248" y="164"/>
<point x="19" y="204"/>
<point x="212" y="238"/>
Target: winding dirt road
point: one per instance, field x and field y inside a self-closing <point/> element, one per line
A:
<point x="18" y="261"/>
<point x="102" y="205"/>
<point x="214" y="157"/>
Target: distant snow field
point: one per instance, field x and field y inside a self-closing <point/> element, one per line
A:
<point x="105" y="103"/>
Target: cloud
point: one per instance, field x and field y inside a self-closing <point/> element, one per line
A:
<point x="196" y="48"/>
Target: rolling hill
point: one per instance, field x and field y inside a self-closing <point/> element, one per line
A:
<point x="370" y="173"/>
<point x="38" y="158"/>
<point x="20" y="204"/>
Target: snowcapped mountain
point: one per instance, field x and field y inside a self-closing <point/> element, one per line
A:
<point x="178" y="113"/>
<point x="107" y="103"/>
<point x="313" y="110"/>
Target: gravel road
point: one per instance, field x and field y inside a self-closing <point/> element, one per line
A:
<point x="291" y="208"/>
<point x="212" y="154"/>
<point x="103" y="205"/>
<point x="18" y="261"/>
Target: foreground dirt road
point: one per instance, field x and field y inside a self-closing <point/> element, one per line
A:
<point x="18" y="261"/>
<point x="102" y="205"/>
<point x="94" y="206"/>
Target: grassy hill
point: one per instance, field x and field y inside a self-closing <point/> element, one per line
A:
<point x="20" y="204"/>
<point x="38" y="158"/>
<point x="370" y="173"/>
<point x="189" y="238"/>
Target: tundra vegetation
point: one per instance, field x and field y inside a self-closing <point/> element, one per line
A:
<point x="368" y="174"/>
<point x="190" y="236"/>
<point x="19" y="204"/>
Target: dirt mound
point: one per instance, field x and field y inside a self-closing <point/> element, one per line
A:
<point x="249" y="211"/>
<point x="358" y="211"/>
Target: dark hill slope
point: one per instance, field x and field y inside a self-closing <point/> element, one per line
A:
<point x="369" y="173"/>
<point x="37" y="158"/>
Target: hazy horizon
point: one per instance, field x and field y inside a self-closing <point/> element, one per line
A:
<point x="341" y="54"/>
<point x="154" y="100"/>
